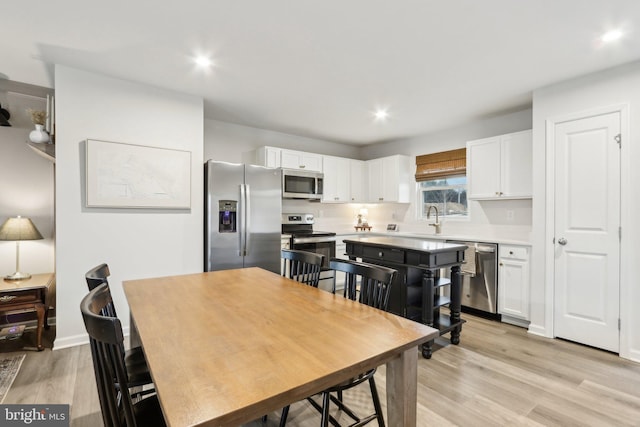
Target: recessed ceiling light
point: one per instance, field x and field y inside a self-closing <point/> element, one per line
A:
<point x="203" y="61"/>
<point x="381" y="114"/>
<point x="610" y="36"/>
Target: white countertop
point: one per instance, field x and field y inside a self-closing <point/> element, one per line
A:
<point x="395" y="240"/>
<point x="437" y="237"/>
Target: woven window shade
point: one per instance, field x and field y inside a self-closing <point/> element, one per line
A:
<point x="440" y="165"/>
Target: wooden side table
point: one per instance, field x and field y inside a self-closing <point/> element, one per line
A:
<point x="30" y="294"/>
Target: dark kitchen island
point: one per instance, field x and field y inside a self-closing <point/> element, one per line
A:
<point x="415" y="293"/>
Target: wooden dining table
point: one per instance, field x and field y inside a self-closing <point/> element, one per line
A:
<point x="226" y="347"/>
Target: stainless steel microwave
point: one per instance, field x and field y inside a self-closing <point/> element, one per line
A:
<point x="301" y="184"/>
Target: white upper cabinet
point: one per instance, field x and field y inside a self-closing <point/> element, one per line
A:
<point x="337" y="179"/>
<point x="300" y="160"/>
<point x="268" y="156"/>
<point x="500" y="167"/>
<point x="358" y="170"/>
<point x="344" y="180"/>
<point x="389" y="179"/>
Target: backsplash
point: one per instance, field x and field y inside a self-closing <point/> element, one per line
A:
<point x="506" y="219"/>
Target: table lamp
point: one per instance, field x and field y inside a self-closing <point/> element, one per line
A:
<point x="19" y="228"/>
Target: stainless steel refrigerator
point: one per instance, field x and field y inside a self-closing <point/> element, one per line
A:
<point x="243" y="207"/>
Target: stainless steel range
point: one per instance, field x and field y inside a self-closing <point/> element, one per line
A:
<point x="305" y="238"/>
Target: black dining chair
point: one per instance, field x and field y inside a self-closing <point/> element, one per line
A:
<point x="302" y="266"/>
<point x="134" y="359"/>
<point x="371" y="285"/>
<point x="112" y="379"/>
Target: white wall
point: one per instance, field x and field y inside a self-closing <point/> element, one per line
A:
<point x="135" y="243"/>
<point x="488" y="219"/>
<point x="235" y="143"/>
<point x="26" y="188"/>
<point x="451" y="139"/>
<point x="616" y="86"/>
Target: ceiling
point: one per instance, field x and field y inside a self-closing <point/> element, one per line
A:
<point x="320" y="68"/>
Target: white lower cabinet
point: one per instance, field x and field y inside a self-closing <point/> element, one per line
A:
<point x="285" y="243"/>
<point x="341" y="250"/>
<point x="513" y="284"/>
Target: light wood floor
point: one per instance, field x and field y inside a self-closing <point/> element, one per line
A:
<point x="498" y="375"/>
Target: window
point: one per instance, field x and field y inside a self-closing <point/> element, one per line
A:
<point x="442" y="182"/>
<point x="448" y="194"/>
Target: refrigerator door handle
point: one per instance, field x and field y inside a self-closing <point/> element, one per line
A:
<point x="242" y="216"/>
<point x="247" y="228"/>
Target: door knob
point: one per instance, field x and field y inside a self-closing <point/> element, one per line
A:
<point x="562" y="241"/>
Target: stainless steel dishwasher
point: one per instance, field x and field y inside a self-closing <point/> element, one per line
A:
<point x="480" y="279"/>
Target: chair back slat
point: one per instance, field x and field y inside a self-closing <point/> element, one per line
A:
<point x="302" y="266"/>
<point x="98" y="276"/>
<point x="374" y="280"/>
<point x="107" y="344"/>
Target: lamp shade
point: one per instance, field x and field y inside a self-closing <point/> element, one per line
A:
<point x="4" y="117"/>
<point x="19" y="228"/>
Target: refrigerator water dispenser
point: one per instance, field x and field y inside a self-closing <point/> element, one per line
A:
<point x="227" y="210"/>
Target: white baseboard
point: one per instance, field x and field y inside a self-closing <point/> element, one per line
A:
<point x="80" y="339"/>
<point x="514" y="321"/>
<point x="538" y="330"/>
<point x="72" y="341"/>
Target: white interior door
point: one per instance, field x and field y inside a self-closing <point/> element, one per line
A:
<point x="587" y="220"/>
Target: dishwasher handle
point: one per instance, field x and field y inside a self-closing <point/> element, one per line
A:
<point x="482" y="249"/>
<point x="479" y="247"/>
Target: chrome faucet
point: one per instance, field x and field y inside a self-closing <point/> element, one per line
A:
<point x="437" y="224"/>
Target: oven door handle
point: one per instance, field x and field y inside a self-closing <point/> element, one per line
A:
<point x="325" y="239"/>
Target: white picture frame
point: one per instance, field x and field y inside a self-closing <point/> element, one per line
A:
<point x="120" y="175"/>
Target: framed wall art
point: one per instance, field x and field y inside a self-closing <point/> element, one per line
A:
<point x="122" y="175"/>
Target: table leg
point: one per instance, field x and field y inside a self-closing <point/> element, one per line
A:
<point x="402" y="389"/>
<point x="46" y="318"/>
<point x="134" y="337"/>
<point x="40" y="312"/>
<point x="456" y="301"/>
<point x="428" y="283"/>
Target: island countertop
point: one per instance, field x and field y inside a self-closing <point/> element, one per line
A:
<point x="431" y="246"/>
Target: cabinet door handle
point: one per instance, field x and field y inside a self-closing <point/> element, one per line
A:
<point x="501" y="264"/>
